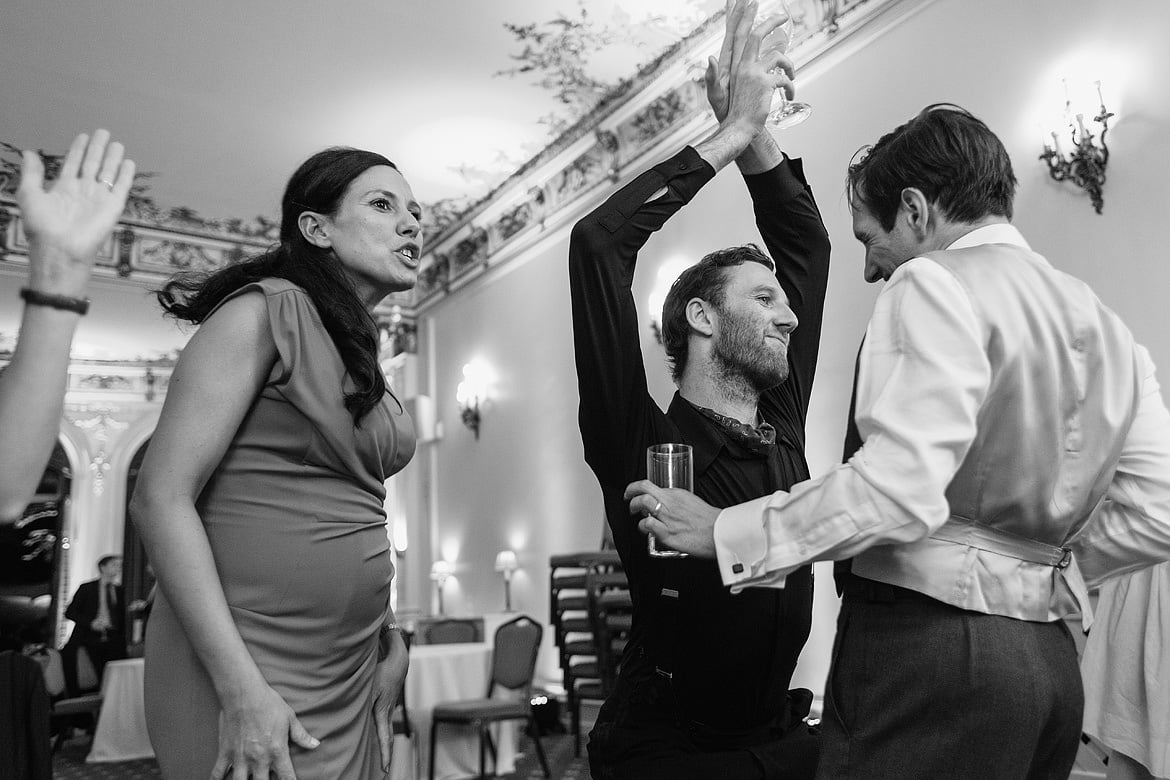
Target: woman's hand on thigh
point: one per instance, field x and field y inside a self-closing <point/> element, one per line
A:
<point x="254" y="735"/>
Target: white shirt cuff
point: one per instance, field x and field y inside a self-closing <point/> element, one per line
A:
<point x="741" y="545"/>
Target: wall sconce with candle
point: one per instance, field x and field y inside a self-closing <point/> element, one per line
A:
<point x="1086" y="161"/>
<point x="471" y="393"/>
<point x="441" y="571"/>
<point x="506" y="563"/>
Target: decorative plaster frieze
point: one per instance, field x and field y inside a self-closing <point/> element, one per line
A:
<point x="663" y="98"/>
<point x="145" y="252"/>
<point x="101" y="427"/>
<point x="666" y="95"/>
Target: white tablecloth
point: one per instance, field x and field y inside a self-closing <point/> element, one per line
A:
<point x="121" y="727"/>
<point x="440" y="673"/>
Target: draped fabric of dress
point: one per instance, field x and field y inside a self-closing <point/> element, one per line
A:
<point x="1126" y="667"/>
<point x="294" y="514"/>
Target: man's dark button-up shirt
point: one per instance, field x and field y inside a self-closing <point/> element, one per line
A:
<point x="730" y="657"/>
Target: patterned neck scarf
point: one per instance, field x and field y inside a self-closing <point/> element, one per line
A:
<point x="756" y="438"/>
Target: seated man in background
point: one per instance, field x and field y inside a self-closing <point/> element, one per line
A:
<point x="99" y="615"/>
<point x="703" y="688"/>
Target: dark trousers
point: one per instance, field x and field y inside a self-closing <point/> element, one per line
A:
<point x="639" y="737"/>
<point x="921" y="689"/>
<point x="100" y="652"/>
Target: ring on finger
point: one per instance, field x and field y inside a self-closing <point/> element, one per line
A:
<point x="654" y="511"/>
<point x="109" y="184"/>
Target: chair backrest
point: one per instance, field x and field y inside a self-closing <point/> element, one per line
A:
<point x="53" y="669"/>
<point x="87" y="678"/>
<point x="514" y="652"/>
<point x="451" y="630"/>
<point x="608" y="595"/>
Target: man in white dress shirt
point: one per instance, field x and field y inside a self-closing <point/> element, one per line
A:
<point x="1014" y="449"/>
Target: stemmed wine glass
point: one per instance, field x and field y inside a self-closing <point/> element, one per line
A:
<point x="785" y="112"/>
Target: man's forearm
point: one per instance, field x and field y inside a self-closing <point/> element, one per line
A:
<point x="728" y="143"/>
<point x="762" y="154"/>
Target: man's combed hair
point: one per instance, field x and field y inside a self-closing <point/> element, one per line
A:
<point x="318" y="185"/>
<point x="706" y="279"/>
<point x="948" y="154"/>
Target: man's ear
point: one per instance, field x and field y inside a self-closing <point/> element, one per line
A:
<point x="701" y="316"/>
<point x="914" y="209"/>
<point x="315" y="228"/>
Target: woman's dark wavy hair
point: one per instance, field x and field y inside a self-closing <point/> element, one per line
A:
<point x="317" y="185"/>
<point x="706" y="279"/>
<point x="949" y="154"/>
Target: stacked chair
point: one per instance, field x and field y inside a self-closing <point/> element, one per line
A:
<point x="611" y="611"/>
<point x="582" y="587"/>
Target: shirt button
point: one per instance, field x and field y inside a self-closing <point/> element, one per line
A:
<point x="682" y="166"/>
<point x="737" y="568"/>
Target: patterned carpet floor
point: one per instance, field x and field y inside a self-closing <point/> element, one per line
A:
<point x="69" y="763"/>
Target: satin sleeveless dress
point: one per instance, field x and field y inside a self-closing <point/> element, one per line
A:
<point x="294" y="513"/>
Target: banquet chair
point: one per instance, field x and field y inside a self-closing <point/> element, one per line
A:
<point x="61" y="709"/>
<point x="24" y="719"/>
<point x="574" y="628"/>
<point x="514" y="650"/>
<point x="608" y="612"/>
<point x="450" y="631"/>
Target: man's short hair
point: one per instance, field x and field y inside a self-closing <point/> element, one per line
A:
<point x="948" y="154"/>
<point x="105" y="559"/>
<point x="706" y="279"/>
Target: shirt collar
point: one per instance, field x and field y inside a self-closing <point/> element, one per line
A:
<point x="998" y="233"/>
<point x="709" y="438"/>
<point x="703" y="434"/>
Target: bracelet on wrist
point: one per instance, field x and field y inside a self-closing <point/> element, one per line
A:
<point x="384" y="640"/>
<point x="53" y="301"/>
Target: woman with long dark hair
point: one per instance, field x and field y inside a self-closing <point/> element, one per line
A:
<point x="271" y="647"/>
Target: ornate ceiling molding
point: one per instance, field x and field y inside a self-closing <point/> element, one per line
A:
<point x="663" y="101"/>
<point x="141" y="250"/>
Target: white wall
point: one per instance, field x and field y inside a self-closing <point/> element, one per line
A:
<point x="523" y="484"/>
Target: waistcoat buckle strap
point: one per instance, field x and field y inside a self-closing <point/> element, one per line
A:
<point x="962" y="530"/>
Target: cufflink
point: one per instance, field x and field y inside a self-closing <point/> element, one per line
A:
<point x="737" y="568"/>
